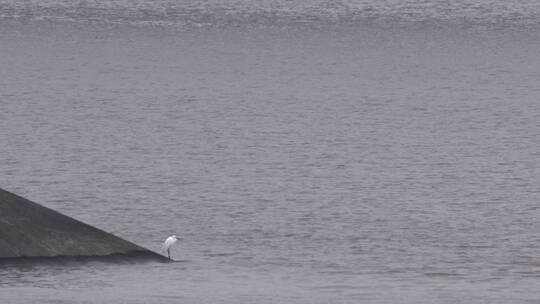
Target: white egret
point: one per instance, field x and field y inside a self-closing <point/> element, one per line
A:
<point x="166" y="247"/>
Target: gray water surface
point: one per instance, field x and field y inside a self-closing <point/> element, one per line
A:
<point x="316" y="162"/>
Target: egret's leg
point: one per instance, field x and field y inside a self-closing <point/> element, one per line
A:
<point x="169" y="253"/>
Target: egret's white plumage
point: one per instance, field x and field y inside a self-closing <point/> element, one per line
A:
<point x="166" y="247"/>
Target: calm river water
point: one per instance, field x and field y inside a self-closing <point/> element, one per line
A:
<point x="307" y="152"/>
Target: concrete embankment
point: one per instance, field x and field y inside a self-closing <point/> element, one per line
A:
<point x="31" y="231"/>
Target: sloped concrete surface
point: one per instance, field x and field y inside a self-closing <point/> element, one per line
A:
<point x="29" y="230"/>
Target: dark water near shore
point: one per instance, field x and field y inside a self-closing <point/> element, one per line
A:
<point x="302" y="162"/>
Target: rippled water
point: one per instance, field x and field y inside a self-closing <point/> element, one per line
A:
<point x="301" y="162"/>
<point x="522" y="13"/>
